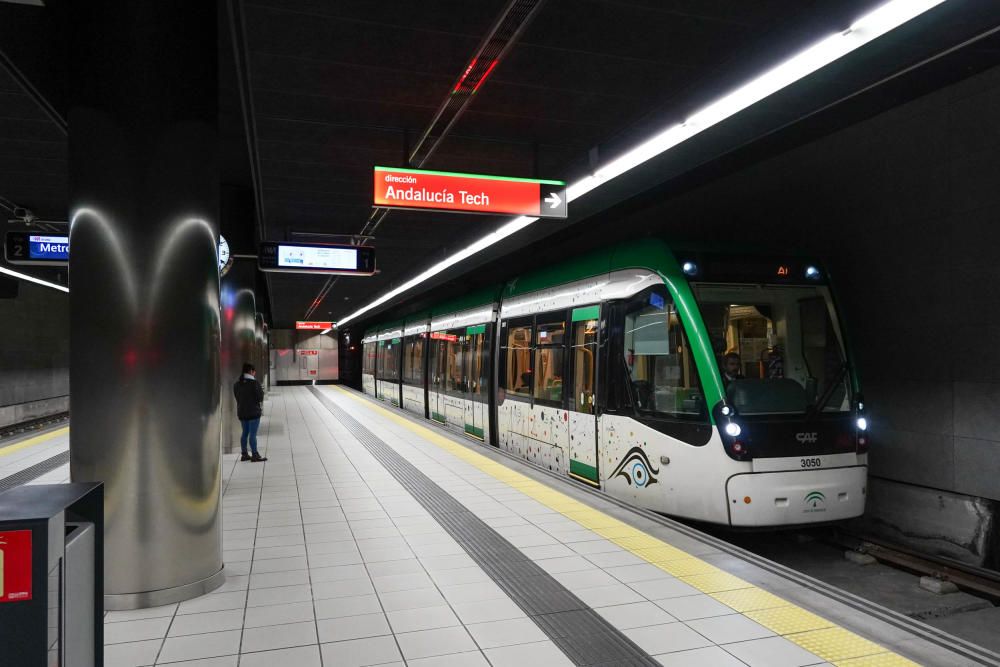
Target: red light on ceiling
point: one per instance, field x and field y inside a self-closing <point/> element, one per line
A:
<point x="465" y="74"/>
<point x="483" y="77"/>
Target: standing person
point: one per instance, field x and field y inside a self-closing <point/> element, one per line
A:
<point x="249" y="407"/>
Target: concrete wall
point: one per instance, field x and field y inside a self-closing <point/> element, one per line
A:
<point x="34" y="354"/>
<point x="906" y="208"/>
<point x="288" y="347"/>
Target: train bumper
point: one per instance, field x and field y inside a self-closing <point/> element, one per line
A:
<point x="796" y="497"/>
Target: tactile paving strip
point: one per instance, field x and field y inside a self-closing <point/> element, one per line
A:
<point x="33" y="472"/>
<point x="581" y="633"/>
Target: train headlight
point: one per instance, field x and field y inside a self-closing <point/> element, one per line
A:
<point x="726" y="410"/>
<point x="689" y="268"/>
<point x="862" y="424"/>
<point x="733" y="430"/>
<point x="812" y="273"/>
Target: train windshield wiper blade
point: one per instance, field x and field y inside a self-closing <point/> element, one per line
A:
<point x="828" y="394"/>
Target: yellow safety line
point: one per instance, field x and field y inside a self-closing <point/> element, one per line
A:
<point x="813" y="633"/>
<point x="31" y="442"/>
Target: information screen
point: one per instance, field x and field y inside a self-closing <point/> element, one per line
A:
<point x="54" y="248"/>
<point x="38" y="249"/>
<point x="317" y="257"/>
<point x="337" y="259"/>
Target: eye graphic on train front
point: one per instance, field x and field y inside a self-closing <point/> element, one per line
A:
<point x="636" y="469"/>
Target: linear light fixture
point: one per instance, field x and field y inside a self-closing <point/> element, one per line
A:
<point x="869" y="27"/>
<point x="33" y="279"/>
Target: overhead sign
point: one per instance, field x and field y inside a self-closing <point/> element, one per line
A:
<point x="314" y="326"/>
<point x="317" y="258"/>
<point x="15" y="565"/>
<point x="469" y="193"/>
<point x="39" y="249"/>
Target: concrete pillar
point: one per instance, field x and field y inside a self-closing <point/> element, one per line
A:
<point x="144" y="303"/>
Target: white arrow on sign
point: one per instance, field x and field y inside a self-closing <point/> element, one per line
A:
<point x="553" y="200"/>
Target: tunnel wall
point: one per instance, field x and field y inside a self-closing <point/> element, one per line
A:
<point x="905" y="207"/>
<point x="34" y="354"/>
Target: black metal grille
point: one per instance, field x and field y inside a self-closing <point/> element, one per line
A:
<point x="581" y="633"/>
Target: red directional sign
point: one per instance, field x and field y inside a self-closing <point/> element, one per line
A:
<point x="470" y="193"/>
<point x="313" y="326"/>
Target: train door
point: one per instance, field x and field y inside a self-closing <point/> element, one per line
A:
<point x="583" y="459"/>
<point x="476" y="381"/>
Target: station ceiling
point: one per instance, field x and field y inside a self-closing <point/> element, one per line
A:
<point x="314" y="93"/>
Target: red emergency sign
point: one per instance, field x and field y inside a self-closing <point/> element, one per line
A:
<point x="475" y="193"/>
<point x="15" y="566"/>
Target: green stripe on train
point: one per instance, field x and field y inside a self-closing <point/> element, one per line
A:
<point x="586" y="313"/>
<point x="582" y="469"/>
<point x="474" y="430"/>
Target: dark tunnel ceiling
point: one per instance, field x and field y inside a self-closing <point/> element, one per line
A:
<point x="337" y="87"/>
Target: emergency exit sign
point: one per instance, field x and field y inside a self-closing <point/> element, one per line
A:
<point x="468" y="193"/>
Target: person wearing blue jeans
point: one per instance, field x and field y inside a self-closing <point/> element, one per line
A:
<point x="249" y="408"/>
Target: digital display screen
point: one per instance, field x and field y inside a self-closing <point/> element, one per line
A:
<point x="317" y="257"/>
<point x="54" y="248"/>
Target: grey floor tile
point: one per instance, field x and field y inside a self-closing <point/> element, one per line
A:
<point x="569" y="564"/>
<point x="711" y="656"/>
<point x="282" y="595"/>
<point x="426" y="618"/>
<point x="279" y="564"/>
<point x="474" y="592"/>
<point x="139" y="614"/>
<point x="468" y="659"/>
<point x="352" y="606"/>
<point x="402" y="582"/>
<point x="505" y="633"/>
<point x="360" y="652"/>
<point x="192" y="647"/>
<point x="342" y="588"/>
<point x="424" y="597"/>
<point x="635" y="615"/>
<point x="440" y="641"/>
<point x="726" y="629"/>
<point x="222" y="661"/>
<point x="664" y="587"/>
<point x="276" y="614"/>
<point x="585" y="579"/>
<point x="772" y="652"/>
<point x="213" y="602"/>
<point x="279" y="579"/>
<point x="694" y="606"/>
<point x="338" y="573"/>
<point x="301" y="656"/>
<point x="210" y="621"/>
<point x="603" y="596"/>
<point x="631" y="573"/>
<point x="490" y="610"/>
<point x="613" y="558"/>
<point x="394" y="567"/>
<point x="521" y="655"/>
<point x="279" y="636"/>
<point x="132" y="654"/>
<point x="353" y="627"/>
<point x="667" y="638"/>
<point x="133" y="631"/>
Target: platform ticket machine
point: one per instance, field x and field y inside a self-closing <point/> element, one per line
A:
<point x="52" y="575"/>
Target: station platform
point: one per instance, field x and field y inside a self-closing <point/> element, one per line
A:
<point x="373" y="538"/>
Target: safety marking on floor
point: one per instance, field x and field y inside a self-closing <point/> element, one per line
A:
<point x="830" y="642"/>
<point x="31" y="442"/>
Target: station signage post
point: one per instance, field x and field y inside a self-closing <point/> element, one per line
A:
<point x="468" y="193"/>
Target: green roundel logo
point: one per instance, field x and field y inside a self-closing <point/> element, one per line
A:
<point x="816" y="501"/>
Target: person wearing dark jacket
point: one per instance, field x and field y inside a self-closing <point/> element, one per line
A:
<point x="249" y="400"/>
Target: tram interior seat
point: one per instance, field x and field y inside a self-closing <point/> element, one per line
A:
<point x="767" y="396"/>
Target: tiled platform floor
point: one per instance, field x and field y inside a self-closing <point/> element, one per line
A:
<point x="331" y="562"/>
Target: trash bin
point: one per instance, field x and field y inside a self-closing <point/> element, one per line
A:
<point x="51" y="575"/>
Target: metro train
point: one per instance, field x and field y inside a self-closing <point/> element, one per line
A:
<point x="704" y="385"/>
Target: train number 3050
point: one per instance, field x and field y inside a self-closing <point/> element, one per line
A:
<point x="811" y="463"/>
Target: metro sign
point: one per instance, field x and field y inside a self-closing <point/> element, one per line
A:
<point x="314" y="326"/>
<point x="468" y="193"/>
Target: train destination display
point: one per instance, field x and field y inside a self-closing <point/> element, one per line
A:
<point x="468" y="193"/>
<point x="333" y="259"/>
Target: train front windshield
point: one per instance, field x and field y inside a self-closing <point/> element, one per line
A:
<point x="779" y="347"/>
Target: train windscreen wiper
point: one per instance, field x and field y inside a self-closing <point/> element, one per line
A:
<point x="828" y="394"/>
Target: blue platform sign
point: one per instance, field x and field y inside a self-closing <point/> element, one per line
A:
<point x="50" y="248"/>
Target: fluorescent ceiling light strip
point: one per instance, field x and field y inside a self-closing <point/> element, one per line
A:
<point x="869" y="27"/>
<point x="32" y="279"/>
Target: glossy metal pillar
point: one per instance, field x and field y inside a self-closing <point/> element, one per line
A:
<point x="144" y="300"/>
<point x="260" y="361"/>
<point x="239" y="340"/>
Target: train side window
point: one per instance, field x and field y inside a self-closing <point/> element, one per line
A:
<point x="438" y="361"/>
<point x="389" y="360"/>
<point x="661" y="371"/>
<point x="413" y="359"/>
<point x="454" y="341"/>
<point x="478" y="359"/>
<point x="369" y="363"/>
<point x="584" y="344"/>
<point x="550" y="353"/>
<point x="515" y="355"/>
